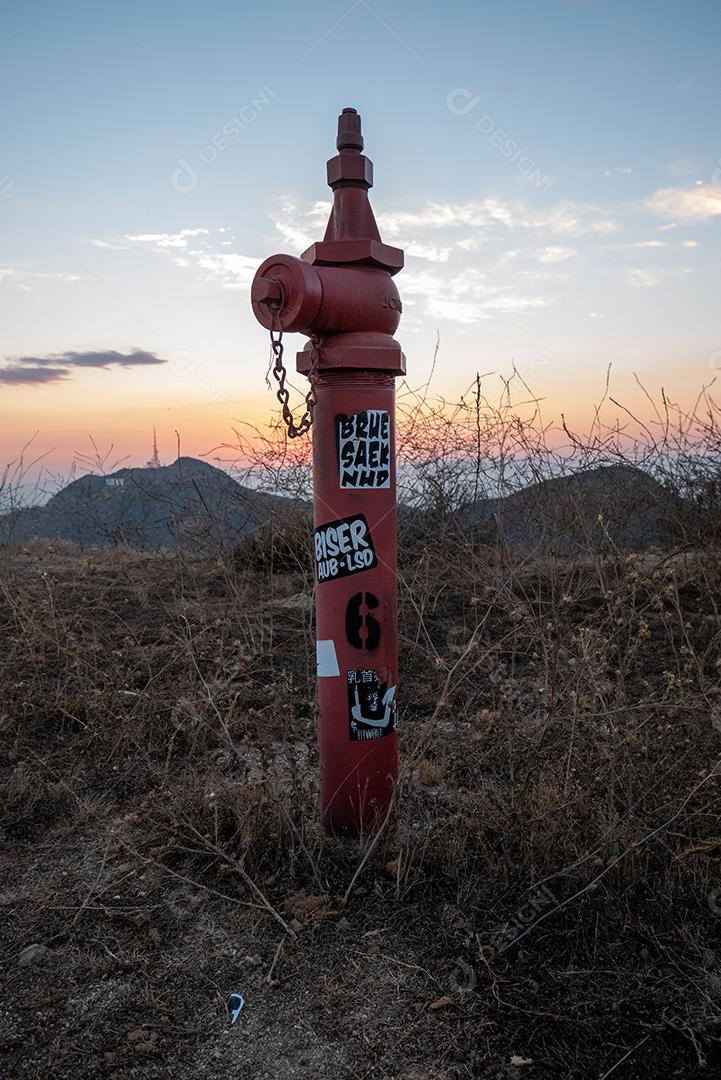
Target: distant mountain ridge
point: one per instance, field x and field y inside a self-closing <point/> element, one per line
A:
<point x="191" y="504"/>
<point x="187" y="503"/>
<point x="617" y="505"/>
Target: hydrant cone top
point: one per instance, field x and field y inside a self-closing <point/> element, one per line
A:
<point x="341" y="292"/>
<point x="356" y="313"/>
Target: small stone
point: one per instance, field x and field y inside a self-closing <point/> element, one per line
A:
<point x="295" y="926"/>
<point x="31" y="954"/>
<point x="441" y="1003"/>
<point x="144" y="1041"/>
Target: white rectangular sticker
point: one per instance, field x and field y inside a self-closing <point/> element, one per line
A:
<point x="326" y="660"/>
<point x="364" y="449"/>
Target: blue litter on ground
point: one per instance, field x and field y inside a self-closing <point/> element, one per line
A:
<point x="235" y="1004"/>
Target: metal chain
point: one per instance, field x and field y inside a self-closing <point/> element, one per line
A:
<point x="280" y="375"/>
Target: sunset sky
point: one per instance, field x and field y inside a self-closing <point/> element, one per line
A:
<point x="552" y="170"/>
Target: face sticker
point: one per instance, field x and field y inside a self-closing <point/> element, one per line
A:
<point x="361" y="628"/>
<point x="371" y="706"/>
<point x="364" y="449"/>
<point x="343" y="547"/>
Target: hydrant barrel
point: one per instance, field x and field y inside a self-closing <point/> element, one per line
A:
<point x="355" y="554"/>
<point x="340" y="293"/>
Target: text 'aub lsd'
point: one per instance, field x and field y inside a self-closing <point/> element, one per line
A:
<point x="343" y="547"/>
<point x="364" y="449"/>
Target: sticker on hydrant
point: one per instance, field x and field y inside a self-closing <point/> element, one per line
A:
<point x="343" y="547"/>
<point x="326" y="661"/>
<point x="371" y="705"/>
<point x="364" y="449"/>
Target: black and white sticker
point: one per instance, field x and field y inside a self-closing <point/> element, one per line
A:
<point x="371" y="705"/>
<point x="343" y="547"/>
<point x="364" y="449"/>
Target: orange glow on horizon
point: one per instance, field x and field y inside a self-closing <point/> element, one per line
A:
<point x="59" y="421"/>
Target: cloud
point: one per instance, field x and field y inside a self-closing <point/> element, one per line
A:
<point x="21" y="374"/>
<point x="167" y="240"/>
<point x="566" y="218"/>
<point x="229" y="269"/>
<point x="428" y="251"/>
<point x="23" y="279"/>
<point x="100" y="359"/>
<point x="196" y="249"/>
<point x="428" y="234"/>
<point x="442" y="279"/>
<point x="698" y="203"/>
<point x="155" y="240"/>
<point x="523" y="242"/>
<point x="301" y="228"/>
<point x="641" y="278"/>
<point x="35" y="370"/>
<point x="555" y="254"/>
<point x="478" y="218"/>
<point x="465" y="296"/>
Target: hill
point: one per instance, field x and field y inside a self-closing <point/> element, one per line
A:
<point x="193" y="505"/>
<point x="188" y="503"/>
<point x="611" y="505"/>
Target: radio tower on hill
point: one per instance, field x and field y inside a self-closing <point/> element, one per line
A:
<point x="154" y="462"/>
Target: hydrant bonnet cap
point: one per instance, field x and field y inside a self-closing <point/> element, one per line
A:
<point x="349" y="131"/>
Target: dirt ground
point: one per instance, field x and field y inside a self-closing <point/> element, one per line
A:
<point x="547" y="905"/>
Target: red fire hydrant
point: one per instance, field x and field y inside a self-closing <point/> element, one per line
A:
<point x="340" y="294"/>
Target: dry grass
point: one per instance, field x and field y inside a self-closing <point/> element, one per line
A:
<point x="548" y="902"/>
<point x="550" y="882"/>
